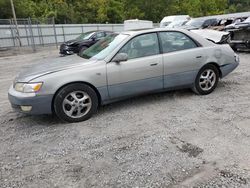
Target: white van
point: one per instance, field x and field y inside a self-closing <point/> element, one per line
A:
<point x="137" y="24"/>
<point x="176" y="18"/>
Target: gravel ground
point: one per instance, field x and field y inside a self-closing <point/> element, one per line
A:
<point x="173" y="139"/>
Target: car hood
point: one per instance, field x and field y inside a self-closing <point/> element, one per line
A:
<point x="70" y="42"/>
<point x="213" y="35"/>
<point x="51" y="65"/>
<point x="74" y="42"/>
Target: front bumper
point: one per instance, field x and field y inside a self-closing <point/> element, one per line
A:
<point x="67" y="50"/>
<point x="39" y="104"/>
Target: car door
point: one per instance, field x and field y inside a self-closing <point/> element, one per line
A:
<point x="182" y="58"/>
<point x="142" y="72"/>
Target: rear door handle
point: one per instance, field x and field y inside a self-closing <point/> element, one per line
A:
<point x="153" y="64"/>
<point x="198" y="57"/>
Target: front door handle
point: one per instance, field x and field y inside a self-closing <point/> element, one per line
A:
<point x="198" y="57"/>
<point x="153" y="64"/>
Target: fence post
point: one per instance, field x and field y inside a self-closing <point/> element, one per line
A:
<point x="55" y="32"/>
<point x="40" y="30"/>
<point x="32" y="36"/>
<point x="82" y="29"/>
<point x="27" y="36"/>
<point x="63" y="33"/>
<point x="12" y="34"/>
<point x="16" y="24"/>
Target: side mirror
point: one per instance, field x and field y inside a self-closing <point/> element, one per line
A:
<point x="120" y="57"/>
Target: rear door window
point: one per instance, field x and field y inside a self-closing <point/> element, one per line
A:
<point x="175" y="41"/>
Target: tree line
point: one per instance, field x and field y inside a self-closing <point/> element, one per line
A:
<point x="115" y="11"/>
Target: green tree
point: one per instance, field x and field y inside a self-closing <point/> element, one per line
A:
<point x="115" y="11"/>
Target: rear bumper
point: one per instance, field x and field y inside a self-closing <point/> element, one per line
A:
<point x="38" y="104"/>
<point x="228" y="68"/>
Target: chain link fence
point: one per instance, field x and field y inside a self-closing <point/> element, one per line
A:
<point x="32" y="34"/>
<point x="35" y="33"/>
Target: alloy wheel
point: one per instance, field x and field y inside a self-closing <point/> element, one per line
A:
<point x="77" y="104"/>
<point x="207" y="79"/>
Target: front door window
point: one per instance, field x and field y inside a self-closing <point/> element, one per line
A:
<point x="142" y="46"/>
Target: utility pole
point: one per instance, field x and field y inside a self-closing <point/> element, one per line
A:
<point x="15" y="21"/>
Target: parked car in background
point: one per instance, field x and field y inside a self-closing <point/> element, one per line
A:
<point x="166" y="21"/>
<point x="136" y="24"/>
<point x="82" y="42"/>
<point x="240" y="35"/>
<point x="200" y="23"/>
<point x="236" y="23"/>
<point x="217" y="37"/>
<point x="222" y="23"/>
<point x="120" y="66"/>
<point x="177" y="24"/>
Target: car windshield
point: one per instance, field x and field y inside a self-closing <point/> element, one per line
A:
<point x="164" y="24"/>
<point x="195" y="22"/>
<point x="85" y="36"/>
<point x="104" y="47"/>
<point x="176" y="24"/>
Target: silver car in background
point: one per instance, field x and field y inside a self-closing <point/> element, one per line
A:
<point x="120" y="66"/>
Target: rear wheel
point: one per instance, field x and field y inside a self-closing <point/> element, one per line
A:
<point x="75" y="103"/>
<point x="206" y="80"/>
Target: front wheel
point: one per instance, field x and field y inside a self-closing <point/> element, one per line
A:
<point x="206" y="80"/>
<point x="75" y="103"/>
<point x="82" y="49"/>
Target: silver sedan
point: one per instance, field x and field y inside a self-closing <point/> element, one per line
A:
<point x="120" y="66"/>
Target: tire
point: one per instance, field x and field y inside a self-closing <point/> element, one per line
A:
<point x="82" y="49"/>
<point x="75" y="103"/>
<point x="207" y="80"/>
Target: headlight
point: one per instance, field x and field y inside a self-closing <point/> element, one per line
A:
<point x="28" y="87"/>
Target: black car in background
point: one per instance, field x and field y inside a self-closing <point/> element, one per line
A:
<point x="82" y="42"/>
<point x="200" y="23"/>
<point x="240" y="34"/>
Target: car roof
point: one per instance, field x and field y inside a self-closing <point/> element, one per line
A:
<point x="142" y="31"/>
<point x="204" y="18"/>
<point x="195" y="36"/>
<point x="174" y="17"/>
<point x="96" y="31"/>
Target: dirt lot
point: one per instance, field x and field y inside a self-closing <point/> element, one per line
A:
<point x="173" y="139"/>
